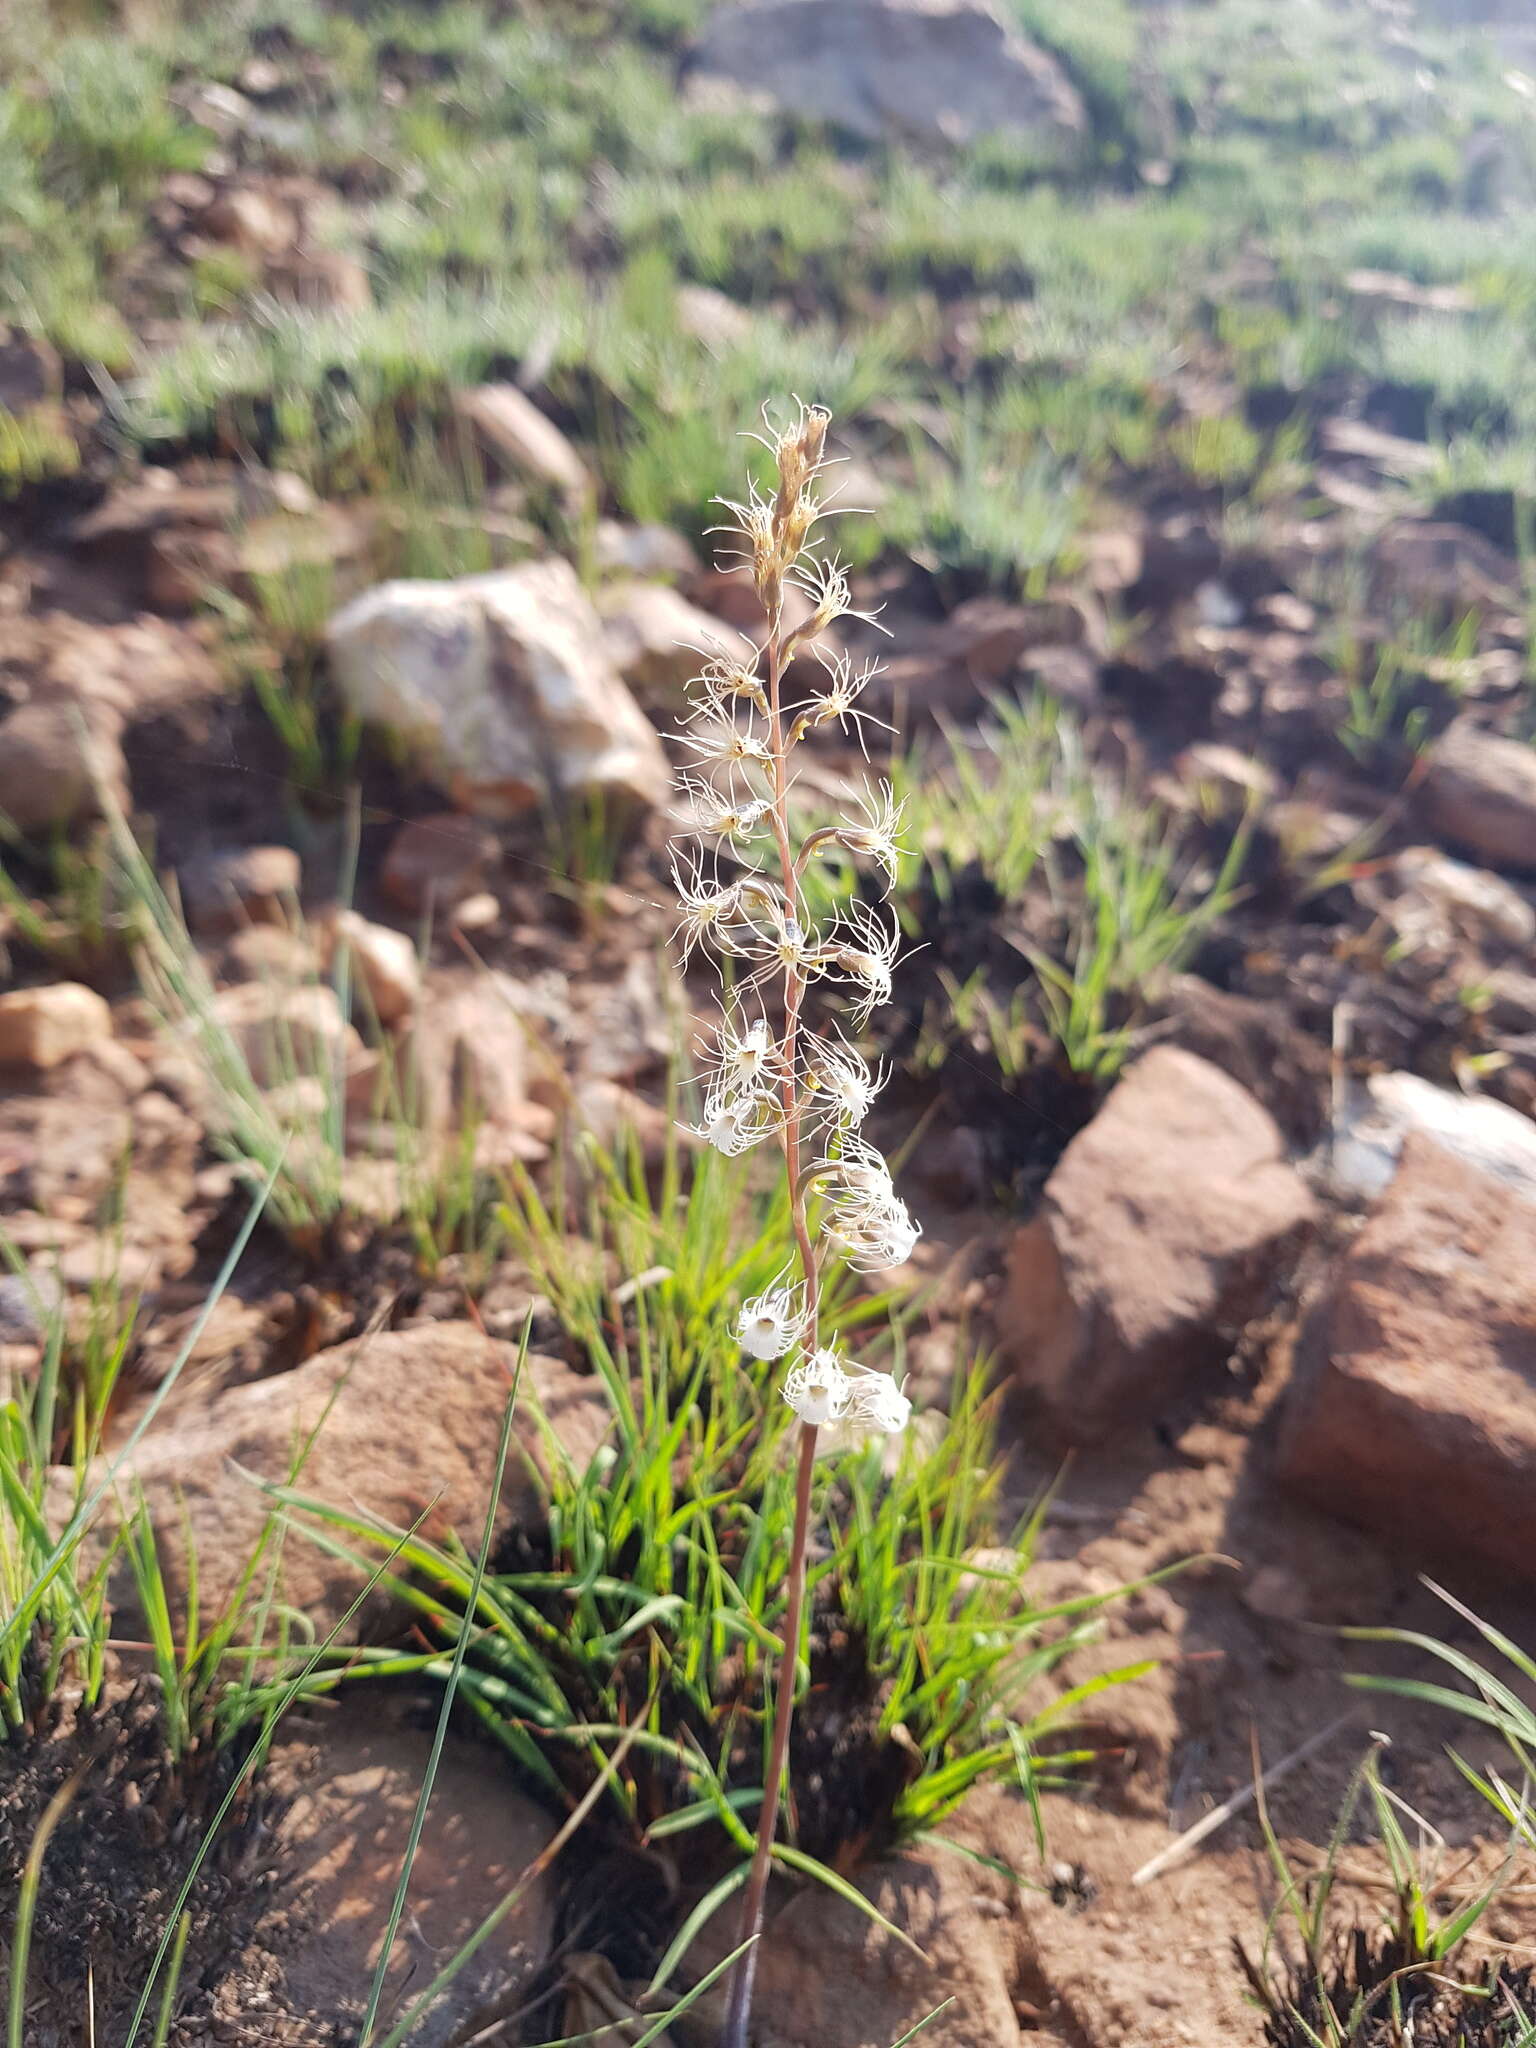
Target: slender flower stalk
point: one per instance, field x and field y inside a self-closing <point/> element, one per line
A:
<point x="769" y="1075"/>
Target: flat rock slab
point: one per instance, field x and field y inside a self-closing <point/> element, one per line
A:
<point x="339" y="1848"/>
<point x="1161" y="1232"/>
<point x="1413" y="1407"/>
<point x="930" y="72"/>
<point x="399" y="1427"/>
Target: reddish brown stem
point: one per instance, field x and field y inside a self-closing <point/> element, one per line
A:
<point x="739" y="2009"/>
<point x="743" y="1976"/>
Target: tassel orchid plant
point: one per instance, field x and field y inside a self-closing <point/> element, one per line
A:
<point x="771" y="1077"/>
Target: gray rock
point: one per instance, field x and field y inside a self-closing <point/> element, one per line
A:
<point x="932" y="72"/>
<point x="1376" y="1119"/>
<point x="505" y="687"/>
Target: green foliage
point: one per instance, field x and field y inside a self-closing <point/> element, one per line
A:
<point x="1388" y="1985"/>
<point x="280" y="1093"/>
<point x="1136" y="915"/>
<point x="648" y="1607"/>
<point x="1018" y="803"/>
<point x="976" y="514"/>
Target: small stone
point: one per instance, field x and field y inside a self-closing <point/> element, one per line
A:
<point x="56" y="754"/>
<point x="465" y="1056"/>
<point x="253" y="220"/>
<point x="1161" y="1229"/>
<point x="511" y="427"/>
<point x="28" y="1302"/>
<point x="286" y="1033"/>
<point x="1467" y="901"/>
<point x="39" y="1027"/>
<point x="477" y="913"/>
<point x="218" y="108"/>
<point x="1413" y="1406"/>
<point x="244" y="885"/>
<point x="1286" y="612"/>
<point x="649" y="553"/>
<point x="1375" y="1121"/>
<point x="1509" y="999"/>
<point x="434" y="862"/>
<point x="385" y="962"/>
<point x="269" y="952"/>
<point x="1479" y="794"/>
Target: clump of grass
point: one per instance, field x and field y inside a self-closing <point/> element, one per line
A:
<point x="648" y="1607"/>
<point x="1411" y="1977"/>
<point x="1416" y="1975"/>
<point x="1020" y="808"/>
<point x="979" y="516"/>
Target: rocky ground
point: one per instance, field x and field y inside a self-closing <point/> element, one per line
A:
<point x="1252" y="1247"/>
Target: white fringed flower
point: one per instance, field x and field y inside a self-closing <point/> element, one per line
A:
<point x="875" y="1398"/>
<point x="841" y="1079"/>
<point x="817" y="1388"/>
<point x="826" y="1387"/>
<point x="722" y="816"/>
<point x="770" y="1323"/>
<point x="733" y="1124"/>
<point x="876" y="837"/>
<point x="874" y="1240"/>
<point x="866" y="1218"/>
<point x="825" y="583"/>
<point x="745" y="1062"/>
<point x="839" y="703"/>
<point x="716" y="737"/>
<point x="709" y="907"/>
<point x="865" y="953"/>
<point x="723" y="678"/>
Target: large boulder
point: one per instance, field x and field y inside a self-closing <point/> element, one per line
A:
<point x="1480" y="795"/>
<point x="503" y="688"/>
<point x="1159" y="1235"/>
<point x="401" y="1427"/>
<point x="930" y="72"/>
<point x="1413" y="1406"/>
